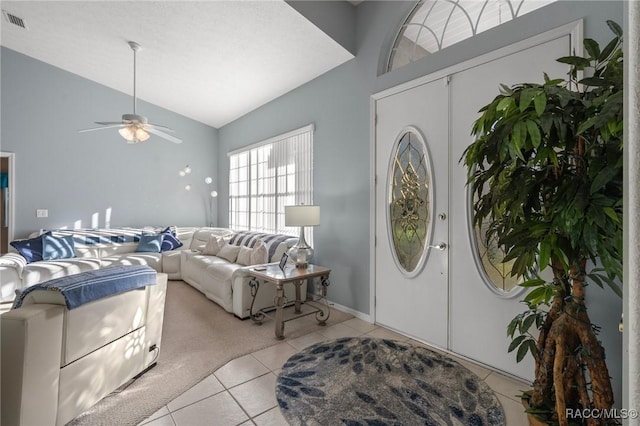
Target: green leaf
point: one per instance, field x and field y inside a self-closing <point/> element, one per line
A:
<point x="536" y="296"/>
<point x="532" y="347"/>
<point x="576" y="61"/>
<point x="518" y="136"/>
<point x="534" y="133"/>
<point x="592" y="47"/>
<point x="527" y="323"/>
<point x="592" y="121"/>
<point x="516" y="342"/>
<point x="526" y="97"/>
<point x="603" y="178"/>
<point x="511" y="328"/>
<point x="545" y="254"/>
<point x="554" y="82"/>
<point x="612" y="214"/>
<point x="536" y="282"/>
<point x="608" y="50"/>
<point x="504" y="104"/>
<point x="540" y="102"/>
<point x="595" y="82"/>
<point x="617" y="30"/>
<point x="522" y="351"/>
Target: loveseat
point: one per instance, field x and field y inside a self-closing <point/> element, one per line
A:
<point x="57" y="362"/>
<point x="222" y="280"/>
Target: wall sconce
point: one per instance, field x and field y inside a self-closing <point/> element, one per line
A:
<point x="186" y="170"/>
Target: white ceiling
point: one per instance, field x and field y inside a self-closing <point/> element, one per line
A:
<point x="212" y="61"/>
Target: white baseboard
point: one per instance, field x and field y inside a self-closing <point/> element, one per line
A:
<point x="357" y="314"/>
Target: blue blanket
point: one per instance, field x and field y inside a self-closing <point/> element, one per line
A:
<point x="88" y="286"/>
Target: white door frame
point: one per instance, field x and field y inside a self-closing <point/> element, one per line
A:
<point x="574" y="28"/>
<point x="12" y="191"/>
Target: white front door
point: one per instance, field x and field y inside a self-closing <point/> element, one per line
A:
<point x="453" y="300"/>
<point x="483" y="301"/>
<point x="411" y="194"/>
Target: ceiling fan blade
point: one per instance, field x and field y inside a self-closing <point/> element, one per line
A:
<point x="103" y="127"/>
<point x="160" y="126"/>
<point x="162" y="134"/>
<point x="110" y="123"/>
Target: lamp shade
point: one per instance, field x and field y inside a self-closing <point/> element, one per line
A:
<point x="301" y="215"/>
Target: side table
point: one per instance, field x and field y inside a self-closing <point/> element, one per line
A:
<point x="296" y="276"/>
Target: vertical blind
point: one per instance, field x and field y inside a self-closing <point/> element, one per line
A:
<point x="266" y="176"/>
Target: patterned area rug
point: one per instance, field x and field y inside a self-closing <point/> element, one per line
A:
<point x="367" y="381"/>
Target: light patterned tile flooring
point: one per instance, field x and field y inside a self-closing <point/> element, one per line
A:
<point x="242" y="392"/>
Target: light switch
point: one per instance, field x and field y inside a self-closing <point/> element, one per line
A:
<point x="42" y="213"/>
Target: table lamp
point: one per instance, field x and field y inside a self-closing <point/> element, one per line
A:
<point x="301" y="216"/>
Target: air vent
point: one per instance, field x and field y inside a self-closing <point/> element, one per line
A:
<point x="15" y="20"/>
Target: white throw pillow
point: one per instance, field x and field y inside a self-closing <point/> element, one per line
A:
<point x="282" y="248"/>
<point x="213" y="246"/>
<point x="244" y="256"/>
<point x="229" y="252"/>
<point x="259" y="255"/>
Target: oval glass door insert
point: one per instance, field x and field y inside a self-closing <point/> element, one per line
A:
<point x="410" y="202"/>
<point x="489" y="256"/>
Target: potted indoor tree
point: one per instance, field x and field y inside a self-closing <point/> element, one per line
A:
<point x="546" y="174"/>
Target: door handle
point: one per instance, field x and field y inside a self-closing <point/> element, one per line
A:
<point x="441" y="246"/>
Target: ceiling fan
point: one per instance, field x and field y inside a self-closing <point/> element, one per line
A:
<point x="133" y="127"/>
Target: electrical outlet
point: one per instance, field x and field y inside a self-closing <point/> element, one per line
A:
<point x="42" y="213"/>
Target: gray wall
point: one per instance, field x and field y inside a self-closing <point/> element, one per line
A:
<point x="338" y="103"/>
<point x="77" y="176"/>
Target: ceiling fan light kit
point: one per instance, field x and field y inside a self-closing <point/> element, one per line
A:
<point x="135" y="128"/>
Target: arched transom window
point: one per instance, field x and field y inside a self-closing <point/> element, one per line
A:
<point x="436" y="24"/>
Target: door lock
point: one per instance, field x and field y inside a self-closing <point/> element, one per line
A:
<point x="442" y="216"/>
<point x="441" y="246"/>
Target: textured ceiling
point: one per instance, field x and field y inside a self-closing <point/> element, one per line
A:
<point x="211" y="61"/>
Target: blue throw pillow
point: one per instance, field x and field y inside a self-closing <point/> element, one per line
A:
<point x="30" y="249"/>
<point x="57" y="247"/>
<point x="170" y="242"/>
<point x="150" y="243"/>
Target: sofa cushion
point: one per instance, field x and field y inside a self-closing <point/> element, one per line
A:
<point x="244" y="256"/>
<point x="213" y="246"/>
<point x="229" y="252"/>
<point x="38" y="272"/>
<point x="57" y="247"/>
<point x="150" y="243"/>
<point x="31" y="248"/>
<point x="200" y="237"/>
<point x="259" y="254"/>
<point x="152" y="259"/>
<point x="252" y="256"/>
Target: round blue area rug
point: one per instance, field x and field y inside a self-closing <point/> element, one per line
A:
<point x="367" y="381"/>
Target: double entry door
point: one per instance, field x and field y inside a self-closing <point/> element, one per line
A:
<point x="431" y="280"/>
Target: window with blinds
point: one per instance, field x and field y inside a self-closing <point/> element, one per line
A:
<point x="268" y="175"/>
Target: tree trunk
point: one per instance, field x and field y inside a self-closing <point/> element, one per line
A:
<point x="571" y="372"/>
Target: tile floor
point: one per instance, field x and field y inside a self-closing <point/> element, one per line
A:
<point x="242" y="392"/>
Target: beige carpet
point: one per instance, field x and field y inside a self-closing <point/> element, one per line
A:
<point x="198" y="338"/>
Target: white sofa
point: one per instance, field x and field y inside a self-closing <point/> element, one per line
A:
<point x="56" y="363"/>
<point x="227" y="283"/>
<point x="223" y="282"/>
